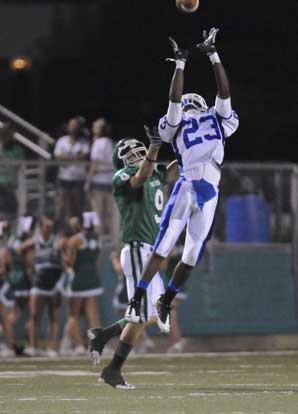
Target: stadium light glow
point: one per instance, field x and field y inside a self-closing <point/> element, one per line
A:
<point x="20" y="63"/>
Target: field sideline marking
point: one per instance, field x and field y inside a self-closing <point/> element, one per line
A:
<point x="226" y="354"/>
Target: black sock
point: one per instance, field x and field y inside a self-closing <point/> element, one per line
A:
<point x="115" y="329"/>
<point x="139" y="293"/>
<point x="169" y="296"/>
<point x="120" y="355"/>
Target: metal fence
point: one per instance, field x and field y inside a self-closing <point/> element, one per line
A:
<point x="258" y="202"/>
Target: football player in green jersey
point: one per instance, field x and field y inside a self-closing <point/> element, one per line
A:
<point x="138" y="190"/>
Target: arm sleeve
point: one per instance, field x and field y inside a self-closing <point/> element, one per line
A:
<point x="223" y="107"/>
<point x="227" y="118"/>
<point x="174" y="114"/>
<point x="169" y="123"/>
<point x="228" y="125"/>
<point x="121" y="180"/>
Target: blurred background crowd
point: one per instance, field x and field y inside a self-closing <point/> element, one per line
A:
<point x="68" y="239"/>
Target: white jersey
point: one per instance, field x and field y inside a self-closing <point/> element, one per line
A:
<point x="199" y="137"/>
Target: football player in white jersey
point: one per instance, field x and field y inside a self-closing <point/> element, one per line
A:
<point x="197" y="134"/>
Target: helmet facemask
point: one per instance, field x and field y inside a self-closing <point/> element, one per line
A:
<point x="193" y="102"/>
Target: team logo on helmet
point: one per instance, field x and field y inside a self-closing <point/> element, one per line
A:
<point x="128" y="153"/>
<point x="195" y="101"/>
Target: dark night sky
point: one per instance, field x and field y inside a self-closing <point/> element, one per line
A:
<point x="118" y="69"/>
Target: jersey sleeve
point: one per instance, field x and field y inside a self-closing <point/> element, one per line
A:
<point x="166" y="130"/>
<point x="121" y="183"/>
<point x="59" y="150"/>
<point x="229" y="124"/>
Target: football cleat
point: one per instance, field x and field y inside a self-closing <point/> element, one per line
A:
<point x="97" y="341"/>
<point x="113" y="377"/>
<point x="133" y="312"/>
<point x="163" y="315"/>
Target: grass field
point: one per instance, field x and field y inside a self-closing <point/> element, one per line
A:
<point x="228" y="383"/>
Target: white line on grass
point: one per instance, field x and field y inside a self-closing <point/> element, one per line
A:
<point x="232" y="355"/>
<point x="31" y="374"/>
<point x="150" y="373"/>
<point x="26" y="399"/>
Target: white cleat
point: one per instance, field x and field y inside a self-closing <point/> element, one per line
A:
<point x="133" y="312"/>
<point x="125" y="386"/>
<point x="163" y="315"/>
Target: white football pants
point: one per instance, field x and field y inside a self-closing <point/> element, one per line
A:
<point x="182" y="210"/>
<point x="133" y="257"/>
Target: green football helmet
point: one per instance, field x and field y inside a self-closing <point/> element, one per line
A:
<point x="128" y="152"/>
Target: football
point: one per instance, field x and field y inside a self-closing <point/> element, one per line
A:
<point x="187" y="6"/>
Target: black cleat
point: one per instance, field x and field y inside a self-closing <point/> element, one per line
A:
<point x="163" y="315"/>
<point x="97" y="341"/>
<point x="114" y="378"/>
<point x="133" y="312"/>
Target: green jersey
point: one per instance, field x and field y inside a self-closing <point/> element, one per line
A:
<point x="85" y="268"/>
<point x="17" y="277"/>
<point x="141" y="208"/>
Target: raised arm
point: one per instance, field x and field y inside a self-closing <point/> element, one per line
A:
<point x="223" y="102"/>
<point x="147" y="167"/>
<point x="174" y="114"/>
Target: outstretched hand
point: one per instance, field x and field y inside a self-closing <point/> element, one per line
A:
<point x="180" y="54"/>
<point x="208" y="45"/>
<point x="153" y="136"/>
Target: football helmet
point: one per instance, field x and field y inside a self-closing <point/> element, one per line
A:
<point x="128" y="152"/>
<point x="195" y="101"/>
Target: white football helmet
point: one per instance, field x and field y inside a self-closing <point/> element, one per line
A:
<point x="195" y="101"/>
<point x="129" y="152"/>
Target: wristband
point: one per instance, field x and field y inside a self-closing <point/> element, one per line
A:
<point x="148" y="159"/>
<point x="214" y="58"/>
<point x="180" y="64"/>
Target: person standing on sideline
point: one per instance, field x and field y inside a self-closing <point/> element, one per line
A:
<point x="46" y="246"/>
<point x="99" y="180"/>
<point x="72" y="147"/>
<point x="83" y="285"/>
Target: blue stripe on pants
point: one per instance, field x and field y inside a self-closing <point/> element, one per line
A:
<point x="208" y="237"/>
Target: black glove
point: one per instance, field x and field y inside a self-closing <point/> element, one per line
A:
<point x="153" y="136"/>
<point x="208" y="45"/>
<point x="180" y="54"/>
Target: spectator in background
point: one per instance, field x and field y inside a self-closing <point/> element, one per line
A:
<point x="72" y="147"/>
<point x="99" y="180"/>
<point x="9" y="150"/>
<point x="46" y="248"/>
<point x="83" y="282"/>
